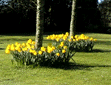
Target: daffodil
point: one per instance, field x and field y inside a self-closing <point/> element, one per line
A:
<point x="29" y="46"/>
<point x="19" y="50"/>
<point x="16" y="43"/>
<point x="74" y="40"/>
<point x="63" y="51"/>
<point x="48" y="37"/>
<point x="91" y="39"/>
<point x="67" y="34"/>
<point x="57" y="39"/>
<point x="7" y="51"/>
<point x="64" y="37"/>
<point x="49" y="51"/>
<point x="52" y="38"/>
<point x="25" y="49"/>
<point x="72" y="37"/>
<point x="43" y="49"/>
<point x="16" y="48"/>
<point x="76" y="36"/>
<point x="8" y="47"/>
<point x="65" y="47"/>
<point x="62" y="44"/>
<point x="57" y="54"/>
<point x="29" y="41"/>
<point x="53" y="48"/>
<point x="33" y="42"/>
<point x="31" y="51"/>
<point x="34" y="53"/>
<point x="95" y="39"/>
<point x="77" y="39"/>
<point x="23" y="44"/>
<point x="40" y="52"/>
<point x="12" y="47"/>
<point x="32" y="46"/>
<point x="69" y="40"/>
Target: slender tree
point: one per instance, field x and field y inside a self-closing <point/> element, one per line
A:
<point x="39" y="23"/>
<point x="73" y="19"/>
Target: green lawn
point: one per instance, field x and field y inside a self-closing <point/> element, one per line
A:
<point x="92" y="68"/>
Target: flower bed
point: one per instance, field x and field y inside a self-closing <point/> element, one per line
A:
<point x="76" y="43"/>
<point x="61" y="50"/>
<point x="26" y="54"/>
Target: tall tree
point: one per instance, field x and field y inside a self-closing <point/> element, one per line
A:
<point x="73" y="19"/>
<point x="39" y="23"/>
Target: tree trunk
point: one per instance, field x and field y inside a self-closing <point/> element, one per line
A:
<point x="39" y="23"/>
<point x="73" y="19"/>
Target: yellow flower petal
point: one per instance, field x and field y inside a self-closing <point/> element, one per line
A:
<point x="7" y="51"/>
<point x="69" y="40"/>
<point x="35" y="53"/>
<point x="65" y="47"/>
<point x="57" y="54"/>
<point x="95" y="39"/>
<point x="40" y="52"/>
<point x="29" y="41"/>
<point x="63" y="51"/>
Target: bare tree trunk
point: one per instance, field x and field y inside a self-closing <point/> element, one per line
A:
<point x="73" y="20"/>
<point x="39" y="23"/>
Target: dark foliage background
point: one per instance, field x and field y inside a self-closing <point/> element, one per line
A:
<point x="22" y="18"/>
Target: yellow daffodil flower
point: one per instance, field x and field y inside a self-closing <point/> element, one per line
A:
<point x="16" y="43"/>
<point x="95" y="39"/>
<point x="65" y="37"/>
<point x="77" y="39"/>
<point x="7" y="51"/>
<point x="40" y="52"/>
<point x="74" y="40"/>
<point x="57" y="39"/>
<point x="32" y="46"/>
<point x="57" y="54"/>
<point x="53" y="48"/>
<point x="63" y="51"/>
<point x="65" y="47"/>
<point x="19" y="50"/>
<point x="91" y="39"/>
<point x="29" y="41"/>
<point x="48" y="37"/>
<point x="69" y="40"/>
<point x="25" y="49"/>
<point x="62" y="44"/>
<point x="31" y="51"/>
<point x="33" y="42"/>
<point x="12" y="47"/>
<point x="8" y="47"/>
<point x="76" y="36"/>
<point x="23" y="44"/>
<point x="43" y="49"/>
<point x="35" y="53"/>
<point x="67" y="34"/>
<point x="72" y="37"/>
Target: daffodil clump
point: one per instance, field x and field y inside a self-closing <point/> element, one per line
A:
<point x="25" y="53"/>
<point x="77" y="42"/>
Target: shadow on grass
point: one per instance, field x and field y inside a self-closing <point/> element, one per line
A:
<point x="2" y="48"/>
<point x="98" y="50"/>
<point x="103" y="42"/>
<point x="15" y="39"/>
<point x="73" y="66"/>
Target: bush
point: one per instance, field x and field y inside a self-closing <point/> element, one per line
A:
<point x="26" y="54"/>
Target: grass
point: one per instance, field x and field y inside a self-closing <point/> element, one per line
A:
<point x="92" y="68"/>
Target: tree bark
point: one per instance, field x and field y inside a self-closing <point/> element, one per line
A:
<point x="73" y="19"/>
<point x="39" y="23"/>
